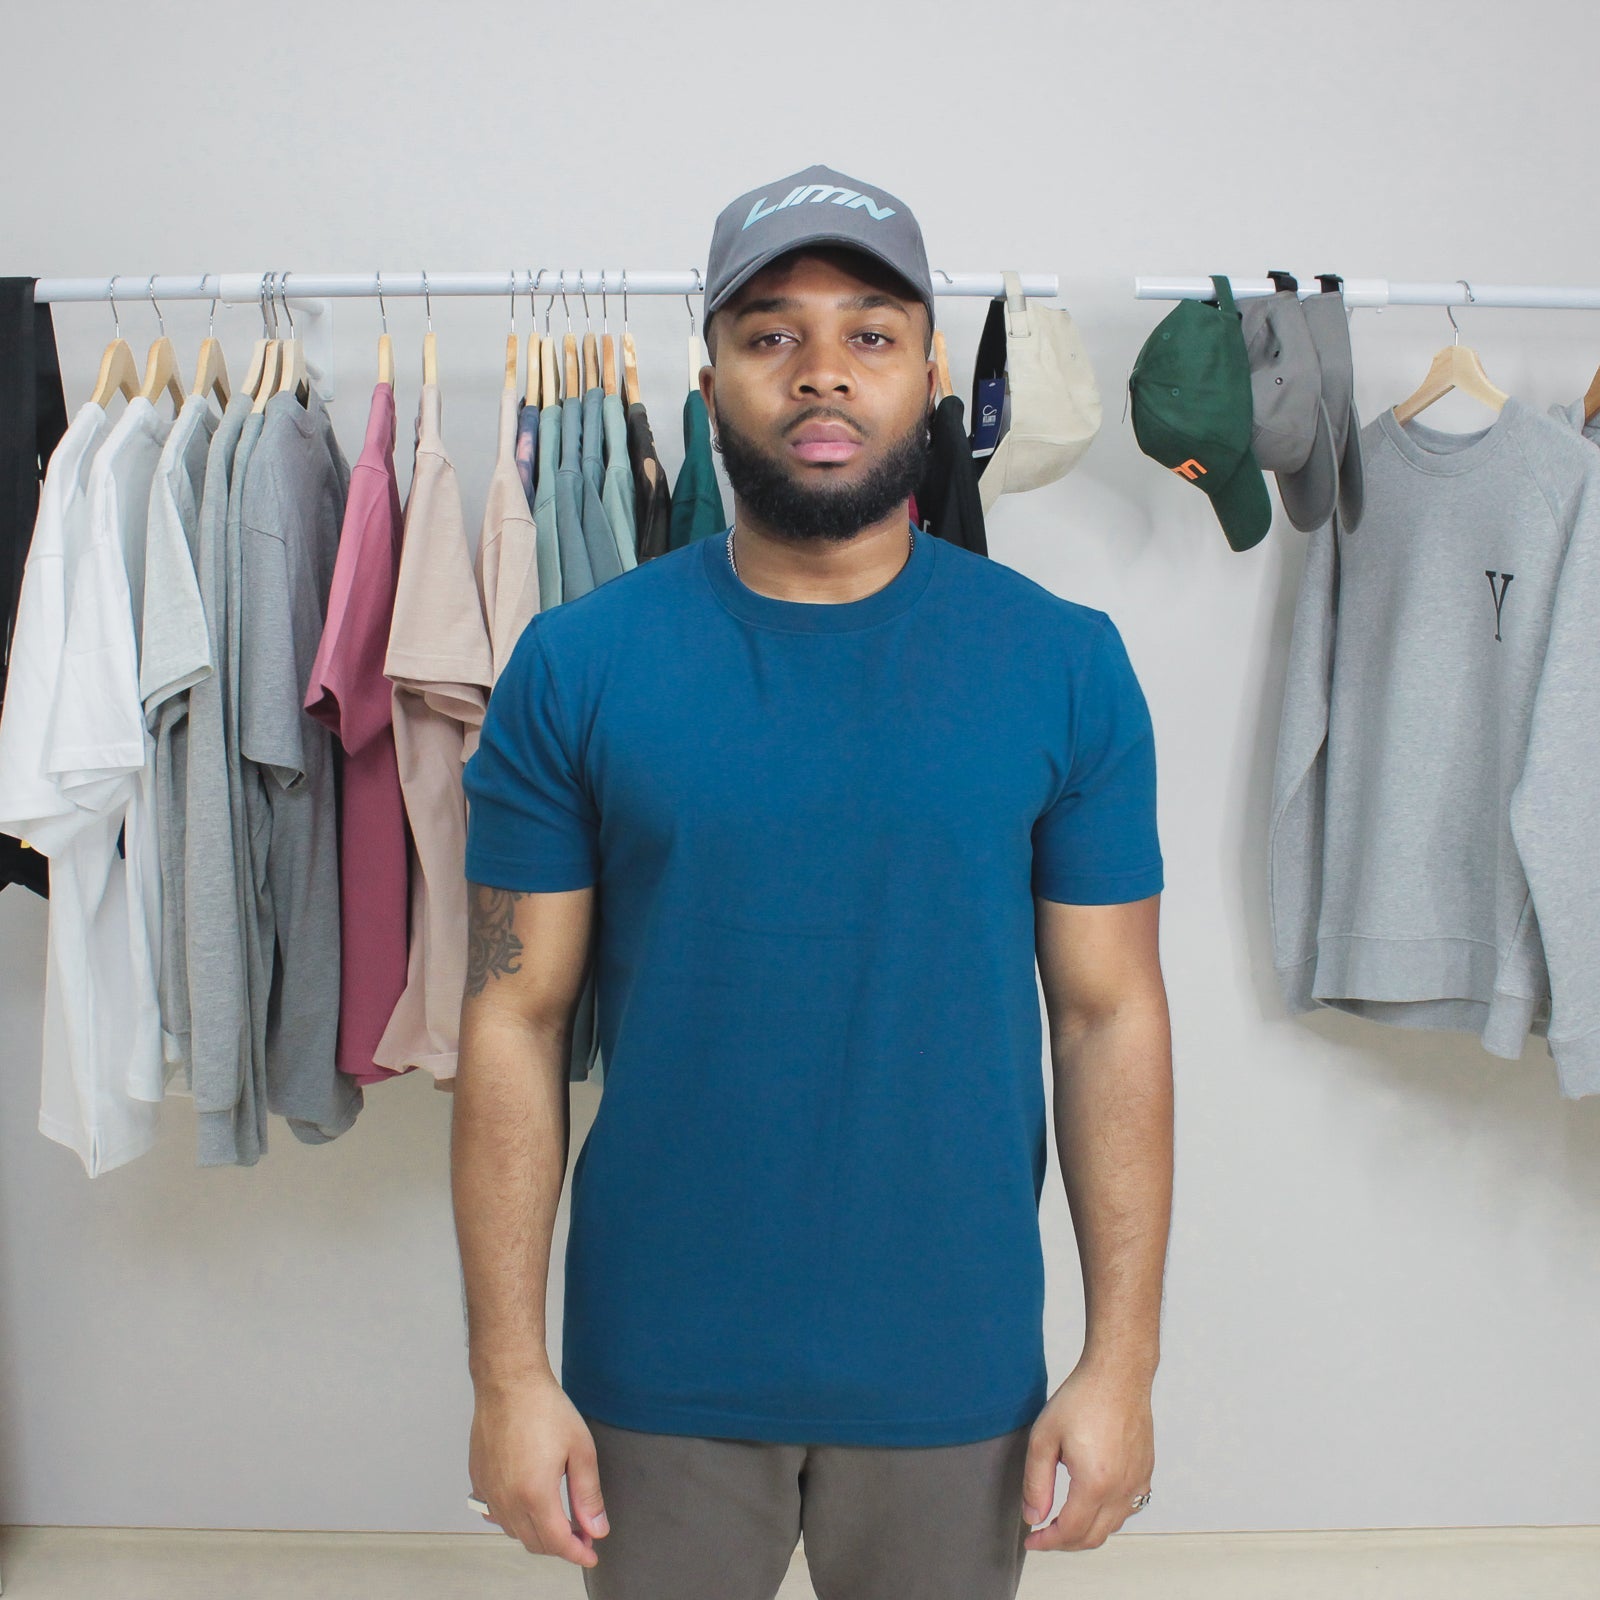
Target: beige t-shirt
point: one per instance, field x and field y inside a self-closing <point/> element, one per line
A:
<point x="440" y="664"/>
<point x="508" y="578"/>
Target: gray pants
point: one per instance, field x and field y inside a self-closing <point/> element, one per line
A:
<point x="718" y="1519"/>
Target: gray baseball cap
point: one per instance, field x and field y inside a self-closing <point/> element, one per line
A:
<point x="817" y="206"/>
<point x="1292" y="435"/>
<point x="1330" y="331"/>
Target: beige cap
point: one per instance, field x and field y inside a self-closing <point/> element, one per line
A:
<point x="1054" y="399"/>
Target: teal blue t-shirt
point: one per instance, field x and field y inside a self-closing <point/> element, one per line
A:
<point x="807" y="1209"/>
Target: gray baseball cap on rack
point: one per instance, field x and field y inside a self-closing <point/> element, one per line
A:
<point x="1292" y="435"/>
<point x="1329" y="322"/>
<point x="817" y="206"/>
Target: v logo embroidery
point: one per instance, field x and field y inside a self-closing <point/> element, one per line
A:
<point x="1499" y="594"/>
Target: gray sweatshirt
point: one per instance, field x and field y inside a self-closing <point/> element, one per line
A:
<point x="1435" y="835"/>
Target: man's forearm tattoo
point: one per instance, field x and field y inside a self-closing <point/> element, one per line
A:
<point x="493" y="950"/>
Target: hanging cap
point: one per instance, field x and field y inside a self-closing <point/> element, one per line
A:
<point x="1190" y="391"/>
<point x="1290" y="435"/>
<point x="1330" y="331"/>
<point x="1049" y="406"/>
<point x="817" y="206"/>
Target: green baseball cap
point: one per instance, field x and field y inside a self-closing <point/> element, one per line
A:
<point x="1192" y="411"/>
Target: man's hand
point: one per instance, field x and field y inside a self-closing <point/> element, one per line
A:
<point x="1100" y="1424"/>
<point x="524" y="1436"/>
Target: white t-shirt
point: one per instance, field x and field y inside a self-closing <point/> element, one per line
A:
<point x="119" y="507"/>
<point x="72" y="747"/>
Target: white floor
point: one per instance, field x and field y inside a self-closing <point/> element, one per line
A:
<point x="1422" y="1564"/>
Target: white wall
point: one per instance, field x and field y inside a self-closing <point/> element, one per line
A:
<point x="1383" y="1290"/>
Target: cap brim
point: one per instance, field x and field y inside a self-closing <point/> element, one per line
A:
<point x="1352" y="476"/>
<point x="1243" y="505"/>
<point x="1309" y="492"/>
<point x="788" y="247"/>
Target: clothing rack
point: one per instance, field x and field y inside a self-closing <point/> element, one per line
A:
<point x="1381" y="292"/>
<point x="253" y="286"/>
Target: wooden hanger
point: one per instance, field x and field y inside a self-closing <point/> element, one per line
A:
<point x="1591" y="401"/>
<point x="118" y="374"/>
<point x="630" y="368"/>
<point x="292" y="375"/>
<point x="569" y="362"/>
<point x="696" y="354"/>
<point x="591" y="362"/>
<point x="385" y="343"/>
<point x="256" y="374"/>
<point x="513" y="355"/>
<point x="430" y="349"/>
<point x="1456" y="366"/>
<point x="161" y="364"/>
<point x="161" y="373"/>
<point x="211" y="372"/>
<point x="550" y="379"/>
<point x="535" y="365"/>
<point x="941" y="363"/>
<point x="270" y="364"/>
<point x="608" y="363"/>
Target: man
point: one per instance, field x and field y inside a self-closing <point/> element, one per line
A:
<point x="817" y="793"/>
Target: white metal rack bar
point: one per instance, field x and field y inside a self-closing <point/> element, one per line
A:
<point x="249" y="286"/>
<point x="1383" y="292"/>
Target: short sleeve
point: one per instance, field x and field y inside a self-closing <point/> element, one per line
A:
<point x="531" y="824"/>
<point x="1096" y="843"/>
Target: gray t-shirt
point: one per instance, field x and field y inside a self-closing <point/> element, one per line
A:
<point x="229" y="1129"/>
<point x="604" y="560"/>
<point x="617" y="492"/>
<point x="175" y="655"/>
<point x="293" y="506"/>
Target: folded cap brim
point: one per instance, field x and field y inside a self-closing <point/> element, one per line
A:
<point x="1242" y="504"/>
<point x="1309" y="492"/>
<point x="1352" y="476"/>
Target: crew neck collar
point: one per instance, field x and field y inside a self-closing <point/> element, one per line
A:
<point x="810" y="616"/>
<point x="1438" y="451"/>
<point x="307" y="418"/>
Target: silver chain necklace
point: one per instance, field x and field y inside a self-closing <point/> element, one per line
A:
<point x="910" y="544"/>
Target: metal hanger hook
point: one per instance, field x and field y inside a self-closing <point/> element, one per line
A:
<point x="624" y="302"/>
<point x="561" y="289"/>
<point x="111" y="295"/>
<point x="261" y="302"/>
<point x="603" y="333"/>
<point x="513" y="302"/>
<point x="427" y="300"/>
<point x="150" y="289"/>
<point x="585" y="298"/>
<point x="272" y="301"/>
<point x="550" y="304"/>
<point x="699" y="289"/>
<point x="533" y="305"/>
<point x="211" y="319"/>
<point x="383" y="310"/>
<point x="283" y="293"/>
<point x="1471" y="300"/>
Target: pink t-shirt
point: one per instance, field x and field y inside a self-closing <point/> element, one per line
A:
<point x="350" y="694"/>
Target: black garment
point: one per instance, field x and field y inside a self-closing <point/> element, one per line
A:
<point x="991" y="393"/>
<point x="947" y="497"/>
<point x="652" y="498"/>
<point x="33" y="416"/>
